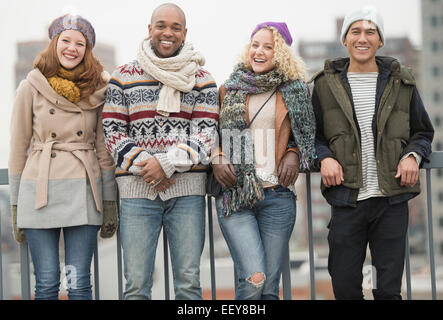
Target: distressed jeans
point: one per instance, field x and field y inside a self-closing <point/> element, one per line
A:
<point x="141" y="221"/>
<point x="258" y="239"/>
<point x="43" y="244"/>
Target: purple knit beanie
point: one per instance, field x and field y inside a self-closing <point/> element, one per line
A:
<point x="70" y="22"/>
<point x="281" y="27"/>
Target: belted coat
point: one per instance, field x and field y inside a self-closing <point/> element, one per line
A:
<point x="59" y="169"/>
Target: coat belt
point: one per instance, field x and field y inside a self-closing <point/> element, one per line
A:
<point x="76" y="149"/>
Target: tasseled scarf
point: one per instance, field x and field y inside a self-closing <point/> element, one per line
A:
<point x="64" y="83"/>
<point x="248" y="188"/>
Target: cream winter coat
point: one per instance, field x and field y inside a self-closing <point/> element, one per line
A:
<point x="59" y="169"/>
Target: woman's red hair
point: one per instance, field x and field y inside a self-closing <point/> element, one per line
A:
<point x="90" y="80"/>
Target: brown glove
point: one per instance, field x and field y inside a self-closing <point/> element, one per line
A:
<point x="19" y="234"/>
<point x="110" y="219"/>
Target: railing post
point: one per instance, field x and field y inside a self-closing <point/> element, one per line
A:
<point x="211" y="249"/>
<point x="24" y="272"/>
<point x="119" y="252"/>
<point x="235" y="280"/>
<point x="4" y="180"/>
<point x="1" y="260"/>
<point x="408" y="269"/>
<point x="430" y="233"/>
<point x="166" y="264"/>
<point x="96" y="273"/>
<point x="286" y="276"/>
<point x="310" y="235"/>
<point x="119" y="265"/>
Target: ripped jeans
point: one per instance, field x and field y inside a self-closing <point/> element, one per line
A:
<point x="257" y="239"/>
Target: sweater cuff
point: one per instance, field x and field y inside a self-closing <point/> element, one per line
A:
<point x="135" y="170"/>
<point x="416" y="156"/>
<point x="166" y="165"/>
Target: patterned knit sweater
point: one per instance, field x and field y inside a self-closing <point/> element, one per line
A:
<point x="134" y="132"/>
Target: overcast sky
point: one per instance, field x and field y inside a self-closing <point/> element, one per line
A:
<point x="219" y="29"/>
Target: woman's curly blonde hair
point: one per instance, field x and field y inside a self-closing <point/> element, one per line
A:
<point x="291" y="66"/>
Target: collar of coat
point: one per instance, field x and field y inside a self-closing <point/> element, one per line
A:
<point x="41" y="84"/>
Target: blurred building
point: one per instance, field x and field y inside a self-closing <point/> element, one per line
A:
<point x="432" y="94"/>
<point x="28" y="51"/>
<point x="314" y="54"/>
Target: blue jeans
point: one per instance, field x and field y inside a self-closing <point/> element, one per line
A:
<point x="43" y="244"/>
<point x="141" y="221"/>
<point x="258" y="239"/>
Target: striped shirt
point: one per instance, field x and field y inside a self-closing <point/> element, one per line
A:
<point x="363" y="87"/>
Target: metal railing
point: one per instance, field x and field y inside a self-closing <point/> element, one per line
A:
<point x="436" y="162"/>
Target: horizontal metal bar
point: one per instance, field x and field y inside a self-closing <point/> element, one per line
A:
<point x="436" y="161"/>
<point x="4" y="177"/>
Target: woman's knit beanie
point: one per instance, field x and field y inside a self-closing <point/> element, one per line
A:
<point x="281" y="27"/>
<point x="71" y="22"/>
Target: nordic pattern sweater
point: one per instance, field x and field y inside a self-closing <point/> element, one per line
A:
<point x="135" y="132"/>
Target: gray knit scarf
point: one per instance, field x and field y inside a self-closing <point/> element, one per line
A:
<point x="242" y="82"/>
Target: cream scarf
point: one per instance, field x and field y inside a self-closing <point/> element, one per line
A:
<point x="177" y="74"/>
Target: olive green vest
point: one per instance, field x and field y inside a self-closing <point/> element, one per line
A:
<point x="342" y="133"/>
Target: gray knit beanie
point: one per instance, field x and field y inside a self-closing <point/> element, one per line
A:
<point x="368" y="13"/>
<point x="72" y="22"/>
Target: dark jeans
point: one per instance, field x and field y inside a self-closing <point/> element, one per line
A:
<point x="384" y="227"/>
